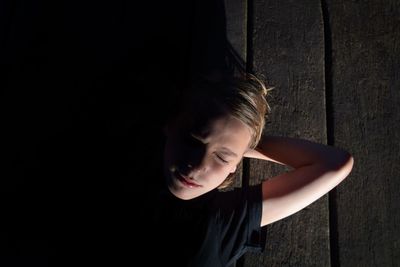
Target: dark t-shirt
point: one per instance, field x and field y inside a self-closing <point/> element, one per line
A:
<point x="139" y="226"/>
<point x="212" y="230"/>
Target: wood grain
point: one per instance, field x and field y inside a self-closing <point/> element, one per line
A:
<point x="366" y="119"/>
<point x="288" y="50"/>
<point x="236" y="22"/>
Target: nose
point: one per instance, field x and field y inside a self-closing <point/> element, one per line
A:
<point x="189" y="169"/>
<point x="194" y="152"/>
<point x="194" y="162"/>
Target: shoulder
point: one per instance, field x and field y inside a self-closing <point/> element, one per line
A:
<point x="240" y="208"/>
<point x="236" y="221"/>
<point x="239" y="198"/>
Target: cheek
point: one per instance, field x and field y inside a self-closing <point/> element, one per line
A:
<point x="172" y="146"/>
<point x="169" y="152"/>
<point x="218" y="173"/>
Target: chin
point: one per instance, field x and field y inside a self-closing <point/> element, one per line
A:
<point x="181" y="193"/>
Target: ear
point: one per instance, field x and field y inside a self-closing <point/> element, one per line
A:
<point x="233" y="169"/>
<point x="250" y="153"/>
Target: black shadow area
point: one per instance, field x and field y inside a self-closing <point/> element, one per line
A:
<point x="86" y="89"/>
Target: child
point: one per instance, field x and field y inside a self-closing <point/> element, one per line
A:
<point x="217" y="124"/>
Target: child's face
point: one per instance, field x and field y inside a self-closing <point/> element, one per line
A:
<point x="201" y="151"/>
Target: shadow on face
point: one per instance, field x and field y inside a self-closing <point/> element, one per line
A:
<point x="204" y="144"/>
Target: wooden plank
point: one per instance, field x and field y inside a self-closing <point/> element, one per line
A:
<point x="236" y="26"/>
<point x="236" y="30"/>
<point x="209" y="32"/>
<point x="219" y="27"/>
<point x="366" y="119"/>
<point x="288" y="50"/>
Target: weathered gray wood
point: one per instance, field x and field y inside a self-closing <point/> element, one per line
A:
<point x="366" y="98"/>
<point x="236" y="23"/>
<point x="236" y="28"/>
<point x="219" y="27"/>
<point x="288" y="49"/>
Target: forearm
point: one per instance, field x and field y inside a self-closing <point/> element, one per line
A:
<point x="297" y="153"/>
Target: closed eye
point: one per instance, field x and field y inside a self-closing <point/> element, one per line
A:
<point x="221" y="159"/>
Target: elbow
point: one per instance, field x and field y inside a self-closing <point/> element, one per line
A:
<point x="343" y="162"/>
<point x="349" y="163"/>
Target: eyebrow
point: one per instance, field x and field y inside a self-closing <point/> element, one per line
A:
<point x="227" y="151"/>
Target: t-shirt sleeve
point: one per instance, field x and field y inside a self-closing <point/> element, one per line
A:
<point x="238" y="222"/>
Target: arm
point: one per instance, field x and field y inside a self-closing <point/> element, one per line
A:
<point x="317" y="169"/>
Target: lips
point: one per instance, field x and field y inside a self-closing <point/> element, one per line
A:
<point x="186" y="181"/>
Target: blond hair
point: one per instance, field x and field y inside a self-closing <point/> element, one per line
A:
<point x="250" y="104"/>
<point x="244" y="97"/>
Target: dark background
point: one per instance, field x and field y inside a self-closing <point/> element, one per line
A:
<point x="80" y="83"/>
<point x="86" y="88"/>
<point x="80" y="78"/>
